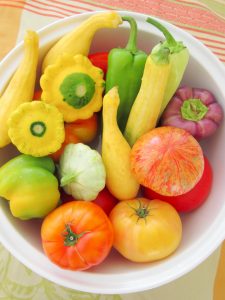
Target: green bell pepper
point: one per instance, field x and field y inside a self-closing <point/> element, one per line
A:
<point x="30" y="186"/>
<point x="125" y="70"/>
<point x="178" y="57"/>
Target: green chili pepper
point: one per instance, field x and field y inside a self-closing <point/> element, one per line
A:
<point x="30" y="186"/>
<point x="178" y="58"/>
<point x="125" y="70"/>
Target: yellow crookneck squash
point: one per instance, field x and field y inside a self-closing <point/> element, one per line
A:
<point x="116" y="152"/>
<point x="21" y="86"/>
<point x="78" y="41"/>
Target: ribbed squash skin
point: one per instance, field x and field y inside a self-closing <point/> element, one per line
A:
<point x="21" y="135"/>
<point x="54" y="75"/>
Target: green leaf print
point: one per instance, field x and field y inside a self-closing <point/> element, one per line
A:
<point x="17" y="282"/>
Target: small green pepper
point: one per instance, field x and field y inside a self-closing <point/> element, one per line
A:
<point x="30" y="186"/>
<point x="125" y="70"/>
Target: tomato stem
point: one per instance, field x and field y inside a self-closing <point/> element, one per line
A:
<point x="142" y="211"/>
<point x="71" y="238"/>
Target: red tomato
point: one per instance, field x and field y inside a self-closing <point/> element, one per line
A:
<point x="192" y="199"/>
<point x="37" y="95"/>
<point x="106" y="201"/>
<point x="100" y="60"/>
<point x="77" y="235"/>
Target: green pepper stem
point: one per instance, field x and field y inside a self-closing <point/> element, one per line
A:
<point x="132" y="42"/>
<point x="170" y="39"/>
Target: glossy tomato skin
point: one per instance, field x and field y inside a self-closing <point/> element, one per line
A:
<point x="70" y="138"/>
<point x="89" y="222"/>
<point x="167" y="160"/>
<point x="194" y="198"/>
<point x="149" y="238"/>
<point x="100" y="60"/>
<point x="37" y="94"/>
<point x="84" y="130"/>
<point x="79" y="131"/>
<point x="106" y="200"/>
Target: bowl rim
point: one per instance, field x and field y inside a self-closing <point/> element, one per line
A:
<point x="136" y="283"/>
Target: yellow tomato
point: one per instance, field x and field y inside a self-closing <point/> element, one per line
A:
<point x="145" y="230"/>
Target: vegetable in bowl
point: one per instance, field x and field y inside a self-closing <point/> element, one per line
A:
<point x="163" y="72"/>
<point x="81" y="171"/>
<point x="119" y="274"/>
<point x="195" y="110"/>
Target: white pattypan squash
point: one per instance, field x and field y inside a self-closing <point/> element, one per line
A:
<point x="82" y="172"/>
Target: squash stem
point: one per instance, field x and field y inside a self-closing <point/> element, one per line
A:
<point x="67" y="179"/>
<point x="38" y="128"/>
<point x="77" y="89"/>
<point x="161" y="56"/>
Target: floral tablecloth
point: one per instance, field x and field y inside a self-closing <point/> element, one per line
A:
<point x="203" y="19"/>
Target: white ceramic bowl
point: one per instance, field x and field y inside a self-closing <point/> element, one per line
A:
<point x="203" y="229"/>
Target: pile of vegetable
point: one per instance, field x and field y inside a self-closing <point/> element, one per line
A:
<point x="151" y="167"/>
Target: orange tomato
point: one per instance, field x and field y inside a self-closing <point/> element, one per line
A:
<point x="77" y="235"/>
<point x="80" y="131"/>
<point x="145" y="230"/>
<point x="69" y="139"/>
<point x="85" y="130"/>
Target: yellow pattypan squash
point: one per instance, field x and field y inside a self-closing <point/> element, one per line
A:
<point x="36" y="128"/>
<point x="74" y="86"/>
